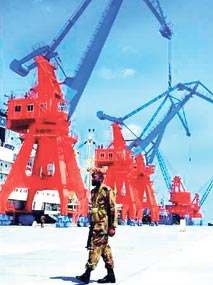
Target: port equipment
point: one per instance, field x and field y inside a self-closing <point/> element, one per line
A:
<point x="130" y="177"/>
<point x="171" y="104"/>
<point x="206" y="193"/>
<point x="78" y="82"/>
<point x="182" y="205"/>
<point x="24" y="121"/>
<point x="23" y="66"/>
<point x="149" y="140"/>
<point x="41" y="120"/>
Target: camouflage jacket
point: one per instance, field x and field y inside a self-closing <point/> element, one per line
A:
<point x="103" y="207"/>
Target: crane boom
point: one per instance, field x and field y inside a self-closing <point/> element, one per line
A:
<point x="164" y="170"/>
<point x="154" y="137"/>
<point x="192" y="89"/>
<point x="142" y="143"/>
<point x="206" y="193"/>
<point x="156" y="9"/>
<point x="48" y="51"/>
<point x="79" y="81"/>
<point x="120" y="120"/>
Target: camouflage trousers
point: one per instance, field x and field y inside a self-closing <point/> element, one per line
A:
<point x="100" y="248"/>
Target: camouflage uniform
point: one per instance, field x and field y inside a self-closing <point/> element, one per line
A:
<point x="102" y="215"/>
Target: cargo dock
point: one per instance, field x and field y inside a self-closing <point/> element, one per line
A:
<point x="148" y="255"/>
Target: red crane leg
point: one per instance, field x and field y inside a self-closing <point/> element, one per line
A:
<point x="152" y="203"/>
<point x="140" y="214"/>
<point x="64" y="197"/>
<point x="124" y="212"/>
<point x="29" y="203"/>
<point x="17" y="175"/>
<point x="74" y="178"/>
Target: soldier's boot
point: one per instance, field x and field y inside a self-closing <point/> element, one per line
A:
<point x="85" y="277"/>
<point x="109" y="278"/>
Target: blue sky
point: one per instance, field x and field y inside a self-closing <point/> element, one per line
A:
<point x="131" y="70"/>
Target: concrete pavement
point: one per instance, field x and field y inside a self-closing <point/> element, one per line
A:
<point x="143" y="255"/>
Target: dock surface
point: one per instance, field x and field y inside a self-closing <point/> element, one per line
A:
<point x="149" y="255"/>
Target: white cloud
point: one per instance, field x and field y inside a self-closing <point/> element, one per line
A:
<point x="127" y="72"/>
<point x="109" y="74"/>
<point x="135" y="129"/>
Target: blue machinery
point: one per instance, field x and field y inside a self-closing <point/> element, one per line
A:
<point x="207" y="191"/>
<point x="78" y="82"/>
<point x="168" y="179"/>
<point x="149" y="140"/>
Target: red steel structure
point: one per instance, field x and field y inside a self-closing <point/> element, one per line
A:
<point x="41" y="119"/>
<point x="129" y="176"/>
<point x="182" y="204"/>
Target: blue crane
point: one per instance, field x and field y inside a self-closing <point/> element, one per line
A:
<point x="85" y="68"/>
<point x="149" y="140"/>
<point x="168" y="180"/>
<point x="156" y="9"/>
<point x="48" y="51"/>
<point x="78" y="82"/>
<point x="207" y="191"/>
<point x="154" y="137"/>
<point x="164" y="170"/>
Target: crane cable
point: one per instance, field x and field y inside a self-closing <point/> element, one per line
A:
<point x="170" y="82"/>
<point x="169" y="64"/>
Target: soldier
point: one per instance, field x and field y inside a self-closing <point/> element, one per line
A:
<point x="102" y="214"/>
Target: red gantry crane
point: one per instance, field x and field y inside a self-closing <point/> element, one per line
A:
<point x="41" y="120"/>
<point x="182" y="205"/>
<point x="130" y="177"/>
